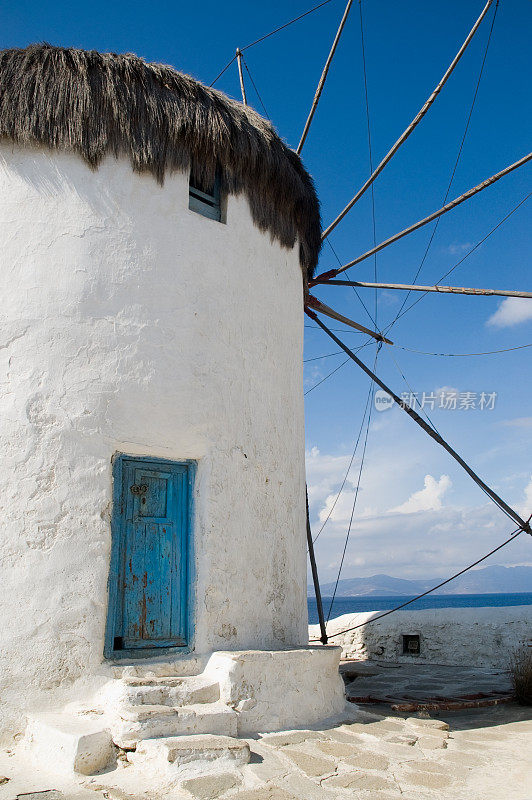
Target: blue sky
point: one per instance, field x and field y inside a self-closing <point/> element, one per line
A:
<point x="417" y="514"/>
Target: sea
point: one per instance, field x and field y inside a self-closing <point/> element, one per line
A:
<point x="352" y="605"/>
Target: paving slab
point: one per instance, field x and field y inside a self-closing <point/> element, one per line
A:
<point x="266" y="793"/>
<point x="210" y="787"/>
<point x="418" y="684"/>
<point x="365" y="760"/>
<point x="427" y="780"/>
<point x="431" y="743"/>
<point x="360" y="780"/>
<point x="311" y="765"/>
<point x="338" y="750"/>
<point x="291" y="737"/>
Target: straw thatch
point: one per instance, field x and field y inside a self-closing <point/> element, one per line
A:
<point x="95" y="104"/>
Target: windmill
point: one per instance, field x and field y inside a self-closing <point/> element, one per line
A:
<point x="315" y="308"/>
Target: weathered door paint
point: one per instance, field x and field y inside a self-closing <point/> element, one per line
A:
<point x="148" y="582"/>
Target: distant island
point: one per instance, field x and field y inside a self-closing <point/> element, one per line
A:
<point x="490" y="580"/>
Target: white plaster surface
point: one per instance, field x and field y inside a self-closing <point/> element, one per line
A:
<point x="203" y="752"/>
<point x="279" y="689"/>
<point x="483" y="637"/>
<point x="131" y="324"/>
<point x="69" y="744"/>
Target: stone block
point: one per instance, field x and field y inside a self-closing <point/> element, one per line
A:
<point x="359" y="780"/>
<point x="336" y="749"/>
<point x="402" y="738"/>
<point x="431" y="743"/>
<point x="311" y="765"/>
<point x="291" y="737"/>
<point x="290" y="688"/>
<point x="367" y="760"/>
<point x="72" y="744"/>
<point x="179" y="750"/>
<point x="437" y="724"/>
<point x="209" y="787"/>
<point x="266" y="793"/>
<point x="136" y="723"/>
<point x="428" y="780"/>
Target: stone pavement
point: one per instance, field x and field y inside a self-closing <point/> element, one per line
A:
<point x="393" y="683"/>
<point x="481" y="754"/>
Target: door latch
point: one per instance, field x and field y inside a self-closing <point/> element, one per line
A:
<point x="139" y="488"/>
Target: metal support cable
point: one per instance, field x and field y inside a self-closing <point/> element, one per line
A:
<point x="444" y="210"/>
<point x="337" y="368"/>
<point x="457" y="355"/>
<point x="255" y="87"/>
<point x="412" y="393"/>
<point x="505" y="508"/>
<point x="286" y="24"/>
<point x="415" y="122"/>
<point x="469" y="252"/>
<point x="318" y="358"/>
<point x="370" y="150"/>
<point x="354" y="289"/>
<point x="458" y="156"/>
<point x="517" y="532"/>
<point x="323" y="77"/>
<point x="271" y="33"/>
<point x="222" y="71"/>
<point x="355" y="448"/>
<point x="315" y="578"/>
<point x="430" y="353"/>
<point x="355" y="498"/>
<point x="326" y="377"/>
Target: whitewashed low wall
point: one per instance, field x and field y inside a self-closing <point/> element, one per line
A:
<point x="279" y="689"/>
<point x="483" y="637"/>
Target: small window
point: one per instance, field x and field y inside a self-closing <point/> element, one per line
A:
<point x="204" y="198"/>
<point x="411" y="645"/>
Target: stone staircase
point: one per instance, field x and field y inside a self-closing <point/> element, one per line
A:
<point x="149" y="705"/>
<point x="128" y="710"/>
<point x="139" y="708"/>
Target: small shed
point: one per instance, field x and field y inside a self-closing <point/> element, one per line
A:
<point x="155" y="240"/>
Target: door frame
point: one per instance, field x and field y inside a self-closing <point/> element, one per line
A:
<point x="117" y="465"/>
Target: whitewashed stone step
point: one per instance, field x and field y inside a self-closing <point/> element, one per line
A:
<point x="172" y="752"/>
<point x="171" y="691"/>
<point x="161" y="667"/>
<point x="133" y="724"/>
<point x="71" y="744"/>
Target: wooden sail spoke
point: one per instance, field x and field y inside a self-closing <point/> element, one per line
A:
<point x="317" y="305"/>
<point x="415" y="287"/>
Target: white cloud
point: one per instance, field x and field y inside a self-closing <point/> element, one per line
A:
<point x="430" y="543"/>
<point x="445" y="390"/>
<point x="526" y="508"/>
<point x="511" y="311"/>
<point x="427" y="499"/>
<point x="519" y="422"/>
<point x="324" y="472"/>
<point x="459" y="247"/>
<point x="387" y="298"/>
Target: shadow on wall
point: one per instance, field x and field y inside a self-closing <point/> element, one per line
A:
<point x="43" y="173"/>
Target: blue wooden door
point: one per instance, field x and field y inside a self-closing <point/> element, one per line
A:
<point x="150" y="536"/>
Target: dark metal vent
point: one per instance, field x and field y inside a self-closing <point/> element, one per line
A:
<point x="411" y="645"/>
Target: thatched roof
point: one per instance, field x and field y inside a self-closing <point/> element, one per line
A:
<point x="95" y="104"/>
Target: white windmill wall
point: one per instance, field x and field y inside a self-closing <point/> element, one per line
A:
<point x="131" y="324"/>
